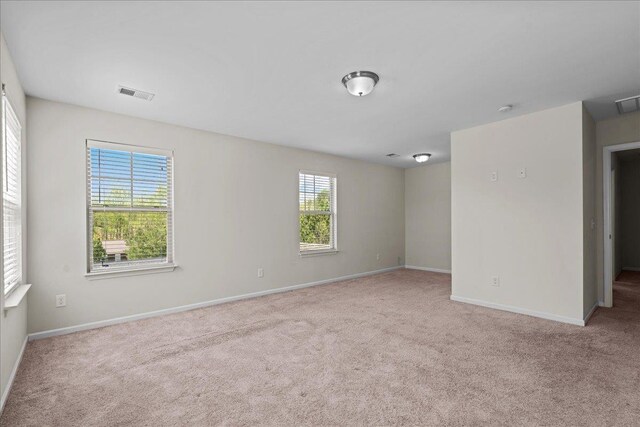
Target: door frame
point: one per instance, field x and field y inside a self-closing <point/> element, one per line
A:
<point x="607" y="152"/>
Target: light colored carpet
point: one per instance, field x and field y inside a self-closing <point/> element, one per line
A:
<point x="385" y="349"/>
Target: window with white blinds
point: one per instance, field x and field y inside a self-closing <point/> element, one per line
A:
<point x="11" y="197"/>
<point x="130" y="209"/>
<point x="317" y="202"/>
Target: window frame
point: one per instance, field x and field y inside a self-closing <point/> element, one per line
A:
<point x="133" y="268"/>
<point x="333" y="214"/>
<point x="7" y="108"/>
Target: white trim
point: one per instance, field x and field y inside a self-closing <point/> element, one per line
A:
<point x="16" y="297"/>
<point x="333" y="213"/>
<point x="169" y="209"/>
<point x="311" y="172"/>
<point x="590" y="313"/>
<point x="123" y="272"/>
<point x="606" y="199"/>
<point x="11" y="125"/>
<point x="518" y="310"/>
<point x="93" y="143"/>
<point x="434" y="270"/>
<point x="12" y="376"/>
<point x="304" y="254"/>
<point x="109" y="322"/>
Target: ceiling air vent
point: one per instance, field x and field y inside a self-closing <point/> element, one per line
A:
<point x="135" y="93"/>
<point x="392" y="155"/>
<point x="628" y="105"/>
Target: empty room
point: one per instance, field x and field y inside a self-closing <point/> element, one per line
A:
<point x="321" y="213"/>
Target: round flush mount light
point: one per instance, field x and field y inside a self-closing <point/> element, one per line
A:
<point x="421" y="157"/>
<point x="505" y="108"/>
<point x="360" y="83"/>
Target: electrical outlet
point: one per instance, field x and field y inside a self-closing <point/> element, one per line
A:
<point x="495" y="281"/>
<point x="260" y="272"/>
<point x="522" y="173"/>
<point x="378" y="257"/>
<point x="61" y="300"/>
<point x="494" y="176"/>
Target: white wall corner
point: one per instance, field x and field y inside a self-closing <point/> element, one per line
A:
<point x="590" y="313"/>
<point x="12" y="376"/>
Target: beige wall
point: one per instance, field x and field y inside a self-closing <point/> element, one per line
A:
<point x="590" y="295"/>
<point x="13" y="323"/>
<point x="618" y="130"/>
<point x="427" y="204"/>
<point x="529" y="232"/>
<point x="629" y="223"/>
<point x="235" y="211"/>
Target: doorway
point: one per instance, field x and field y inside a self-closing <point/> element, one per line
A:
<point x="621" y="195"/>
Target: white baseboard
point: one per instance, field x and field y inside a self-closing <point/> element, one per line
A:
<point x="109" y="322"/>
<point x="12" y="376"/>
<point x="518" y="310"/>
<point x="435" y="270"/>
<point x="590" y="313"/>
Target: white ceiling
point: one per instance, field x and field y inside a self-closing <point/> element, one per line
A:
<point x="271" y="71"/>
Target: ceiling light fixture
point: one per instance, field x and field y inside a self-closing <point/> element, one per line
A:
<point x="505" y="108"/>
<point x="421" y="157"/>
<point x="360" y="83"/>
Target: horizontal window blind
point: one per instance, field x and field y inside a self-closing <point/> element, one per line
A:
<point x="11" y="197"/>
<point x="317" y="201"/>
<point x="130" y="207"/>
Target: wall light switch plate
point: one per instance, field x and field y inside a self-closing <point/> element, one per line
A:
<point x="260" y="272"/>
<point x="522" y="173"/>
<point x="494" y="176"/>
<point x="378" y="257"/>
<point x="61" y="300"/>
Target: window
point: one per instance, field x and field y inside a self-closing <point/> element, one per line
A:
<point x="130" y="212"/>
<point x="11" y="197"/>
<point x="317" y="200"/>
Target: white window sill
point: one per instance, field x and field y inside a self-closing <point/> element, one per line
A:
<point x="15" y="297"/>
<point x="318" y="253"/>
<point x="108" y="274"/>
